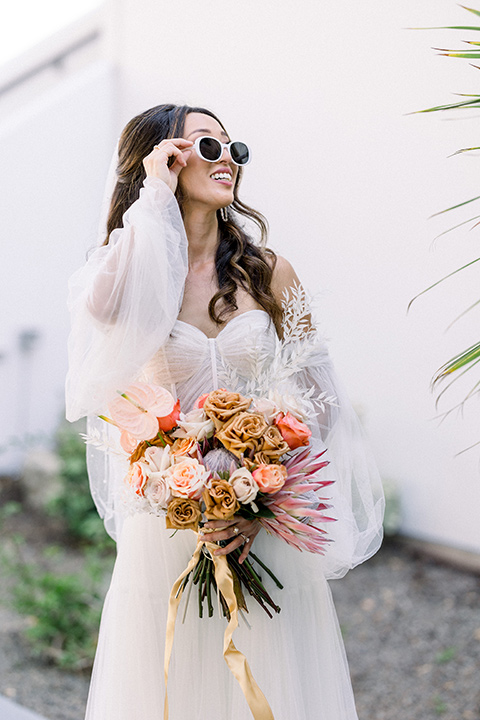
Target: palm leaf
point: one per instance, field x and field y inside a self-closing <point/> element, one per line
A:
<point x="465" y="222"/>
<point x="454" y="207"/>
<point x="451" y="106"/>
<point x="454" y="272"/>
<point x="475" y="12"/>
<point x="464" y="150"/>
<point x="462" y="360"/>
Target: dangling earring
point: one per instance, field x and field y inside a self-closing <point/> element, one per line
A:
<point x="224" y="214"/>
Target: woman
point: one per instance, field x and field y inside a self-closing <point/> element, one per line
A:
<point x="180" y="296"/>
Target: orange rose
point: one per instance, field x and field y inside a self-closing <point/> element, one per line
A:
<point x="220" y="500"/>
<point x="184" y="446"/>
<point x="200" y="401"/>
<point x="168" y="422"/>
<point x="294" y="432"/>
<point x="270" y="478"/>
<point x="220" y="406"/>
<point x="183" y="514"/>
<point x="243" y="432"/>
<point x="137" y="478"/>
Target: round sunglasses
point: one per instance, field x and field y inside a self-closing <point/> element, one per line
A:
<point x="210" y="149"/>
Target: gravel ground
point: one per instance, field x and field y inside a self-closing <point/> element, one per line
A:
<point x="411" y="629"/>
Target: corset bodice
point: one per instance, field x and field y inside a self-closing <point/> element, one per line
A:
<point x="190" y="363"/>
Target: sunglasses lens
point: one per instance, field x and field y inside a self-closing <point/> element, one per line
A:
<point x="210" y="149"/>
<point x="240" y="153"/>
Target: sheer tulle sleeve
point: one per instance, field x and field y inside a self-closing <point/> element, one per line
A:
<point x="356" y="494"/>
<point x="125" y="300"/>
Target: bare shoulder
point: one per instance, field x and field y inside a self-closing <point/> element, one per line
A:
<point x="284" y="277"/>
<point x="284" y="281"/>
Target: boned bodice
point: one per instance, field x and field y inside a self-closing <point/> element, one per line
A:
<point x="190" y="363"/>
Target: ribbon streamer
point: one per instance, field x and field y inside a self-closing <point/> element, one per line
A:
<point x="236" y="661"/>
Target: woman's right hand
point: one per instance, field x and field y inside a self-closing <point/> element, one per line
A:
<point x="156" y="164"/>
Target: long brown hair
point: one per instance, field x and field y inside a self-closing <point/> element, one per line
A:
<point x="238" y="261"/>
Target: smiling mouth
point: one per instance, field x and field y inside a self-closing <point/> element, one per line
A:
<point x="222" y="177"/>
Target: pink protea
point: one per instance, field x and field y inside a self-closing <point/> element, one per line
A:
<point x="296" y="515"/>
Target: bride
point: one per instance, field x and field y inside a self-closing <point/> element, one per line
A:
<point x="181" y="296"/>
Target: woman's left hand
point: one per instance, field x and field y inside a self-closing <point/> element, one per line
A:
<point x="239" y="530"/>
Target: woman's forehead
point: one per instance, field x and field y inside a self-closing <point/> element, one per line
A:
<point x="203" y="125"/>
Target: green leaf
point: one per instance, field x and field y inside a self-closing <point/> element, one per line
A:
<point x="457" y="226"/>
<point x="472" y="262"/>
<point x="475" y="12"/>
<point x="464" y="150"/>
<point x="448" y="27"/>
<point x="467" y="357"/>
<point x="451" y="106"/>
<point x="472" y="55"/>
<point x="454" y="207"/>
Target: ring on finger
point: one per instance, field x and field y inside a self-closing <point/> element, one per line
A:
<point x="236" y="530"/>
<point x="245" y="538"/>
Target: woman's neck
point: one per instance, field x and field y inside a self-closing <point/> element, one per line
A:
<point x="202" y="232"/>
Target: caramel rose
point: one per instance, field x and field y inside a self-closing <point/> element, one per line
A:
<point x="220" y="406"/>
<point x="220" y="500"/>
<point x="183" y="514"/>
<point x="154" y="442"/>
<point x="243" y="433"/>
<point x="274" y="446"/>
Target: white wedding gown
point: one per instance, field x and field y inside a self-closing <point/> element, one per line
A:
<point x="297" y="658"/>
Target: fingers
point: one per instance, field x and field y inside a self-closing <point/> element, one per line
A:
<point x="177" y="167"/>
<point x="240" y="532"/>
<point x="156" y="163"/>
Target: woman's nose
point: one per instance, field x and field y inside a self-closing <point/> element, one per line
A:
<point x="226" y="157"/>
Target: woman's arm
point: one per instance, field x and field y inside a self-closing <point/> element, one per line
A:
<point x="125" y="300"/>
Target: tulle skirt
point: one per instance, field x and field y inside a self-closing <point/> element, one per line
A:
<point x="297" y="658"/>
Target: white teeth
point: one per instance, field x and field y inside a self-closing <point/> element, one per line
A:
<point x="221" y="176"/>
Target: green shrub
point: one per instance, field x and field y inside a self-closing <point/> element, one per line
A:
<point x="63" y="610"/>
<point x="74" y="504"/>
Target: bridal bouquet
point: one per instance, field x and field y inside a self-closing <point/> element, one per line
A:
<point x="230" y="455"/>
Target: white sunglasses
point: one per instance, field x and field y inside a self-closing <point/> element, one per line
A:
<point x="210" y="149"/>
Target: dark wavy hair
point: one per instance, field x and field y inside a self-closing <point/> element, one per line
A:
<point x="238" y="260"/>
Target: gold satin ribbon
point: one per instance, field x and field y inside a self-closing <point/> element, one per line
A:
<point x="236" y="661"/>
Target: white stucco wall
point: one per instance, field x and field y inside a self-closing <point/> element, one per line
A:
<point x="347" y="180"/>
<point x="345" y="177"/>
<point x="55" y="147"/>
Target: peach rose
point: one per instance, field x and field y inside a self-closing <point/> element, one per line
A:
<point x="244" y="485"/>
<point x="183" y="514"/>
<point x="137" y="478"/>
<point x="294" y="432"/>
<point x="270" y="478"/>
<point x="137" y="408"/>
<point x="221" y="405"/>
<point x="273" y="446"/>
<point x="243" y="432"/>
<point x="220" y="500"/>
<point x="186" y="477"/>
<point x="168" y="422"/>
